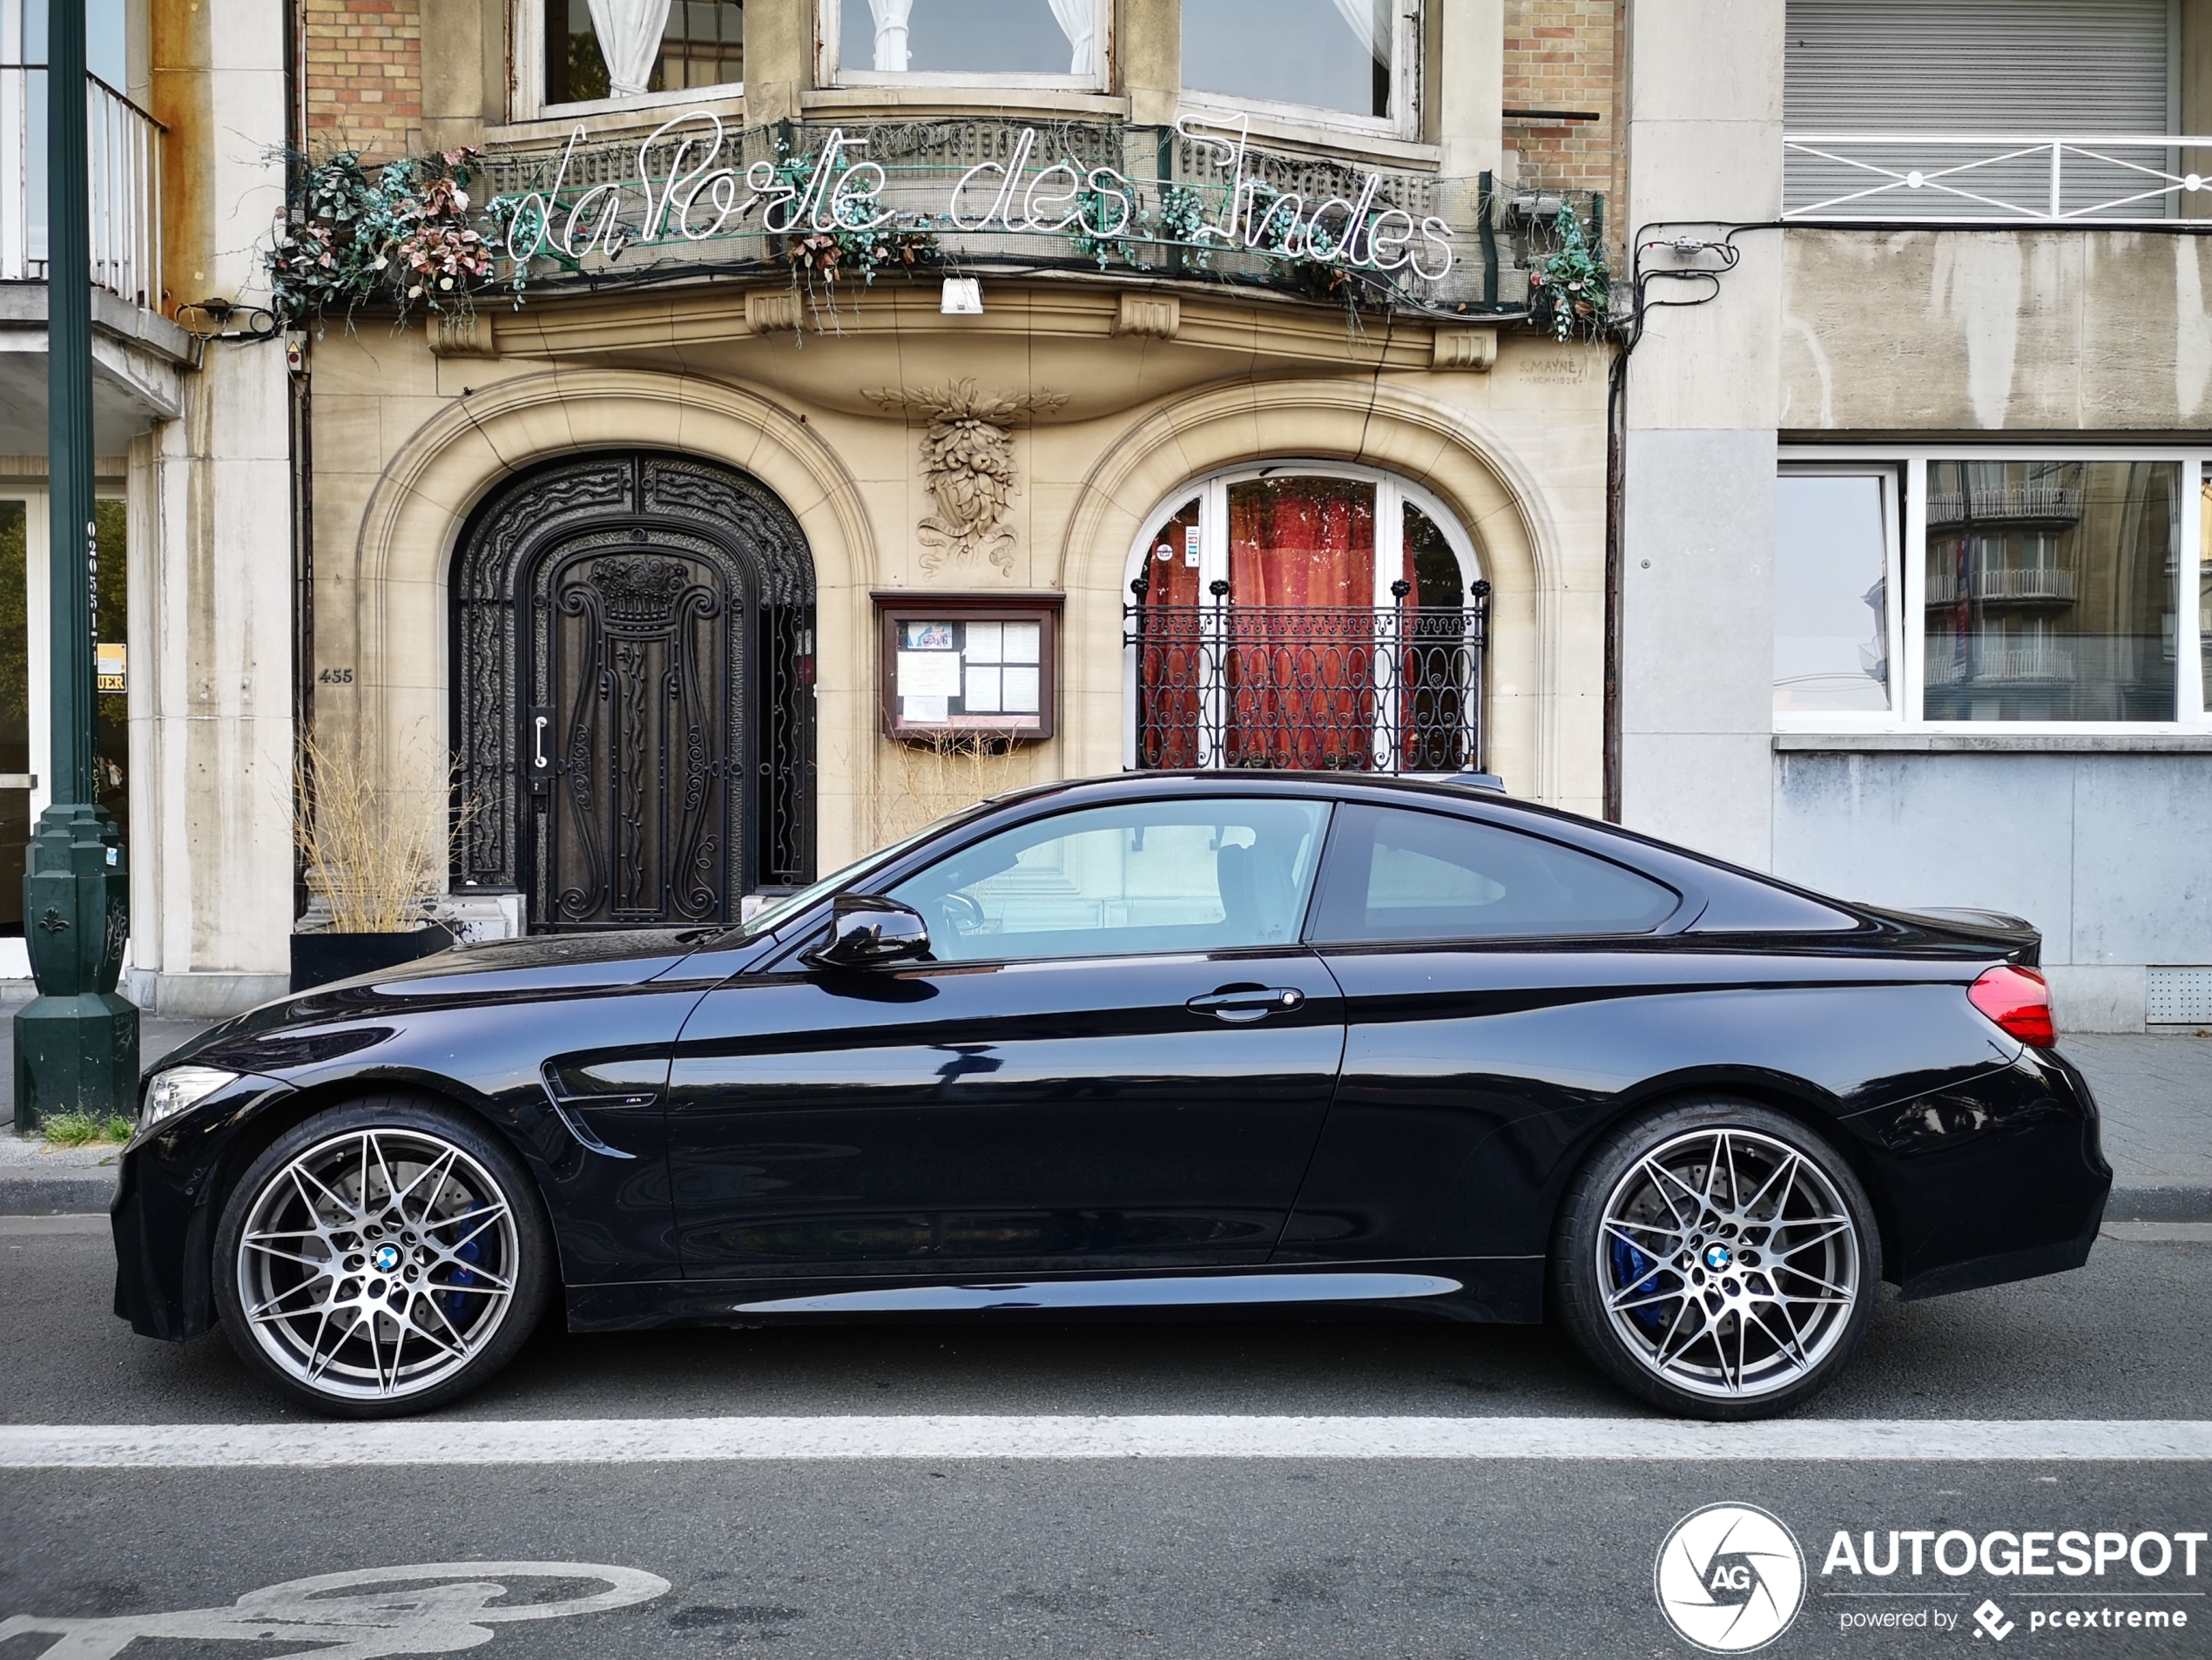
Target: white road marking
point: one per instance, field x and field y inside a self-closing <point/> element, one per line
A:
<point x="685" y="1441"/>
<point x="2159" y="1232"/>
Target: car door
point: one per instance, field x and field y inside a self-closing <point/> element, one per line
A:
<point x="1498" y="984"/>
<point x="1120" y="1056"/>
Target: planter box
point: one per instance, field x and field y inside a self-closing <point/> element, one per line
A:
<point x="317" y="959"/>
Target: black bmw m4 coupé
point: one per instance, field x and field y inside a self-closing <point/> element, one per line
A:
<point x="1132" y="1046"/>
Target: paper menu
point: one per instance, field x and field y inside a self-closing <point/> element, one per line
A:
<point x="929" y="674"/>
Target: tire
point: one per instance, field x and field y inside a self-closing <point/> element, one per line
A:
<point x="1670" y="1270"/>
<point x="398" y="1306"/>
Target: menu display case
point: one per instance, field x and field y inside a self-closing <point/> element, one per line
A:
<point x="984" y="665"/>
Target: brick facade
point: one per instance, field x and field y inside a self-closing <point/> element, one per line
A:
<point x="364" y="75"/>
<point x="1562" y="58"/>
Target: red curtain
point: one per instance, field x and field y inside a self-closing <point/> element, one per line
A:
<point x="1300" y="666"/>
<point x="1292" y="652"/>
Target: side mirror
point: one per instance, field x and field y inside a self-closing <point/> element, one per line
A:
<point x="868" y="931"/>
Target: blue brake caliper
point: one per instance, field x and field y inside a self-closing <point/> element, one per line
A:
<point x="1635" y="1271"/>
<point x="452" y="1301"/>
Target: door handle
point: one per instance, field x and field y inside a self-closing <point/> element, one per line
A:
<point x="1243" y="1004"/>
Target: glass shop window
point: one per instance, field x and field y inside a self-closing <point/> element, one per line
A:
<point x="110" y="662"/>
<point x="611" y="49"/>
<point x="1832" y="540"/>
<point x="1341" y="55"/>
<point x="2051" y="590"/>
<point x="1026" y="39"/>
<point x="15" y="709"/>
<point x="2204" y="587"/>
<point x="1204" y="876"/>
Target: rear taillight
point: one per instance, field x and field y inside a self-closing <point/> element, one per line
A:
<point x="2018" y="1000"/>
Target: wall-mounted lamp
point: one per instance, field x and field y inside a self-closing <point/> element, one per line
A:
<point x="962" y="297"/>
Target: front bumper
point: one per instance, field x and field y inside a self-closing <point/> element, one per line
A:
<point x="168" y="1194"/>
<point x="1997" y="1179"/>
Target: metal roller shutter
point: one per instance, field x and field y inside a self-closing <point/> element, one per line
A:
<point x="1999" y="67"/>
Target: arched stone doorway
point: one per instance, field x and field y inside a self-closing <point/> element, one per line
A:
<point x="633" y="640"/>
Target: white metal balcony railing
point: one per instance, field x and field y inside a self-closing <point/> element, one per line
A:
<point x="124" y="163"/>
<point x="2045" y="583"/>
<point x="2034" y="662"/>
<point x="1949" y="178"/>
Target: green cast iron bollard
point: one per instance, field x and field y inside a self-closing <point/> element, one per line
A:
<point x="76" y="1043"/>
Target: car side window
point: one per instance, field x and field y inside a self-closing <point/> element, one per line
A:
<point x="1397" y="875"/>
<point x="1186" y="875"/>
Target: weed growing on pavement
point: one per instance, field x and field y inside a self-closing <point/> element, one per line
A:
<point x="83" y="1129"/>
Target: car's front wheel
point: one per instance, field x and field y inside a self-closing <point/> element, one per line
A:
<point x="1717" y="1258"/>
<point x="381" y="1258"/>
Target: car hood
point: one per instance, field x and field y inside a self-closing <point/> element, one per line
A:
<point x="505" y="969"/>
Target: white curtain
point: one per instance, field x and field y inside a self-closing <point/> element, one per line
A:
<point x="1370" y="20"/>
<point x="1078" y="20"/>
<point x="891" y="33"/>
<point x="630" y="34"/>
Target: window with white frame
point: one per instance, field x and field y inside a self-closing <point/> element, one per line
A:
<point x="1352" y="60"/>
<point x="1304" y="615"/>
<point x="1961" y="588"/>
<point x="596" y="52"/>
<point x="975" y="43"/>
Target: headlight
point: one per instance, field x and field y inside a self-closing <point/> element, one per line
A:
<point x="180" y="1087"/>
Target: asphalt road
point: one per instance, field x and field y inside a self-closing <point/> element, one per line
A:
<point x="926" y="1555"/>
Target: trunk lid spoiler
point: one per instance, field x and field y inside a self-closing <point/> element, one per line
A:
<point x="2012" y="938"/>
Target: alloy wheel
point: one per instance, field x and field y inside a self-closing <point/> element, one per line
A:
<point x="377" y="1263"/>
<point x="1729" y="1262"/>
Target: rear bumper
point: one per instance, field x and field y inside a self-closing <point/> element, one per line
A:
<point x="1997" y="1179"/>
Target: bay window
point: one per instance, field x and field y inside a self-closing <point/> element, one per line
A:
<point x="1352" y="60"/>
<point x="594" y="51"/>
<point x="981" y="42"/>
<point x="2038" y="590"/>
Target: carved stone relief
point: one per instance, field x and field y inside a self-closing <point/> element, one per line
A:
<point x="967" y="466"/>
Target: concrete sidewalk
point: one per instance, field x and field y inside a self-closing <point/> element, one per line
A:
<point x="2155" y="1093"/>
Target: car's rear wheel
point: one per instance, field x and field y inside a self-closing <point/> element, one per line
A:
<point x="381" y="1258"/>
<point x="1717" y="1258"/>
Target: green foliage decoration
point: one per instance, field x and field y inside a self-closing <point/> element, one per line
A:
<point x="1570" y="290"/>
<point x="405" y="234"/>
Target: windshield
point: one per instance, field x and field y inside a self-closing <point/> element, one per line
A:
<point x="774" y="916"/>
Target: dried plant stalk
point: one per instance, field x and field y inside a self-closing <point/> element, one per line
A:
<point x="939" y="774"/>
<point x="377" y="865"/>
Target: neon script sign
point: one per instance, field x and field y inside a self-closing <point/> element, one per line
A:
<point x="694" y="197"/>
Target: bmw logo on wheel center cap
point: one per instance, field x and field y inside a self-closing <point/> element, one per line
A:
<point x="386" y="1259"/>
<point x="1716" y="1256"/>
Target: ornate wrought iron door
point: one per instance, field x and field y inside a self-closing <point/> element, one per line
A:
<point x="634" y="639"/>
<point x="636" y="760"/>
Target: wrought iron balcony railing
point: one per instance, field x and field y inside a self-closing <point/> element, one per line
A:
<point x="125" y="166"/>
<point x="1366" y="689"/>
<point x="2037" y="178"/>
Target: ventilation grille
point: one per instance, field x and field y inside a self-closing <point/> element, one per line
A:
<point x="2179" y="997"/>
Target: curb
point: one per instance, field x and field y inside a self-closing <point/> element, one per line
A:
<point x="47" y="1195"/>
<point x="2160" y="1204"/>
